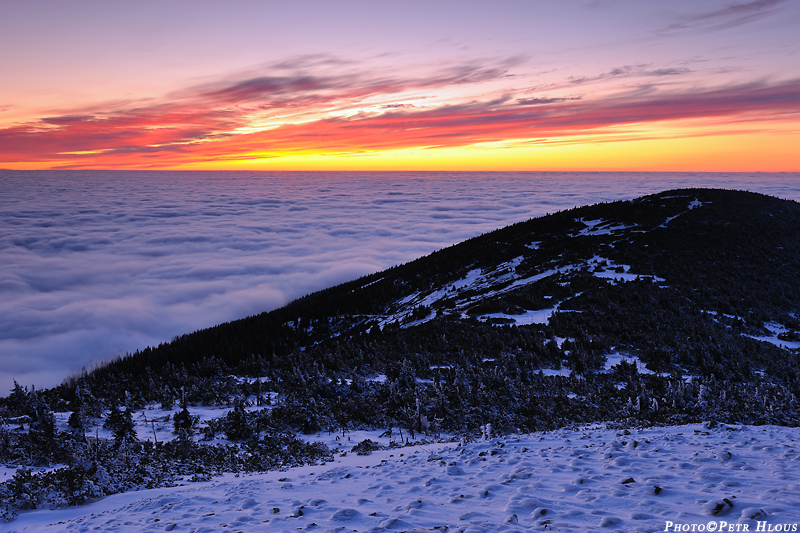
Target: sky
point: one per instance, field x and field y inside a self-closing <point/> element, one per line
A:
<point x="412" y="85"/>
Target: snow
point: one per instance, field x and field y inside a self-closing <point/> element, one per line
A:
<point x="726" y="315"/>
<point x="692" y="205"/>
<point x="537" y="277"/>
<point x="540" y="316"/>
<point x="600" y="227"/>
<point x="615" y="358"/>
<point x="475" y="280"/>
<point x="773" y="327"/>
<point x="624" y="276"/>
<point x="565" y="372"/>
<point x="413" y="323"/>
<point x="607" y="269"/>
<point x="7" y="471"/>
<point x="371" y="283"/>
<point x="776" y="330"/>
<point x="612" y="360"/>
<point x="502" y="279"/>
<point x="152" y="423"/>
<point x="343" y="441"/>
<point x="587" y="479"/>
<point x="467" y="281"/>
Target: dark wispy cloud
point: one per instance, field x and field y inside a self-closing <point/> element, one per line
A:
<point x="326" y="85"/>
<point x="543" y="101"/>
<point x="630" y="71"/>
<point x="729" y="16"/>
<point x="217" y="110"/>
<point x="503" y="119"/>
<point x="599" y="4"/>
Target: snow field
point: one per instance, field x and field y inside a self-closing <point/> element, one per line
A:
<point x="592" y="479"/>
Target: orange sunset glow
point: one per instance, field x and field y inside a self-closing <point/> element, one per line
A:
<point x="687" y="93"/>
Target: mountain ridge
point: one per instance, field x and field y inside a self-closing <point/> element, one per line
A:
<point x="684" y="282"/>
<point x="674" y="308"/>
<point x="369" y="297"/>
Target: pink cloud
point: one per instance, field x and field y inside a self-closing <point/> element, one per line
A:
<point x="210" y="122"/>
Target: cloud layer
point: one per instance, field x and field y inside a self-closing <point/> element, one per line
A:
<point x="96" y="264"/>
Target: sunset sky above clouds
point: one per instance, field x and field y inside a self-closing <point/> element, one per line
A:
<point x="434" y="85"/>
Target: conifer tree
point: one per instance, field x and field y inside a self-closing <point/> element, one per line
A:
<point x="121" y="425"/>
<point x="183" y="422"/>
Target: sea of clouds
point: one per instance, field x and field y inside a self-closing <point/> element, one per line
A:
<point x="97" y="264"/>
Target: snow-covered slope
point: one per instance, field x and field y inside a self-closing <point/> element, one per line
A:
<point x="719" y="478"/>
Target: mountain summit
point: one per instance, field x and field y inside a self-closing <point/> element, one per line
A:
<point x="673" y="307"/>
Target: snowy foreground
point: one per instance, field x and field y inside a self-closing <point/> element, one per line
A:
<point x="686" y="478"/>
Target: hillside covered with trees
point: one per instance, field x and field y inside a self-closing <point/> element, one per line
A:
<point x="672" y="308"/>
